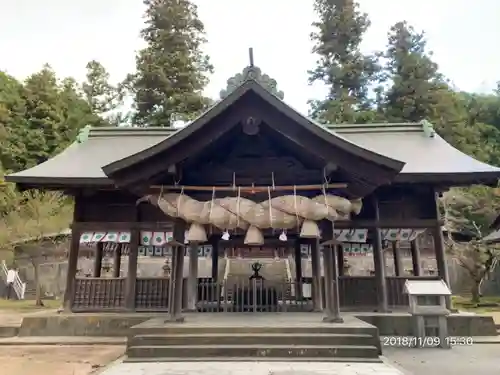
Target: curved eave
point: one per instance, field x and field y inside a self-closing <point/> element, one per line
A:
<point x="389" y="167"/>
<point x="487" y="178"/>
<point x="428" y="159"/>
<point x="80" y="164"/>
<point x="58" y="183"/>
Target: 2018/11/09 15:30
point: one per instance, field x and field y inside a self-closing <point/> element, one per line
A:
<point x="429" y="341"/>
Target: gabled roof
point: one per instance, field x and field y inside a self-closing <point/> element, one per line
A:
<point x="414" y="149"/>
<point x="81" y="163"/>
<point x="427" y="156"/>
<point x="250" y="85"/>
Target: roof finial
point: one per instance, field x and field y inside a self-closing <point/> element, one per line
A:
<point x="250" y="55"/>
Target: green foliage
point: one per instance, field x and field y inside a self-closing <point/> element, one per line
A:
<point x="346" y="71"/>
<point x="471" y="211"/>
<point x="408" y="87"/>
<point x="33" y="215"/>
<point x="102" y="98"/>
<point x="172" y="70"/>
<point x="25" y="227"/>
<point x="416" y="83"/>
<point x="41" y="116"/>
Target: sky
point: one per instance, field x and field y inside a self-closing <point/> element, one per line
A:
<point x="68" y="34"/>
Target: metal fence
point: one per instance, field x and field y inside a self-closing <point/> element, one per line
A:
<point x="250" y="295"/>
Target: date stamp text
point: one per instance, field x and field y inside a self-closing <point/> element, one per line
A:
<point x="426" y="342"/>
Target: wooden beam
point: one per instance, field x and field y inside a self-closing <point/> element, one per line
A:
<point x="251" y="189"/>
<point x="347" y="224"/>
<point x="388" y="224"/>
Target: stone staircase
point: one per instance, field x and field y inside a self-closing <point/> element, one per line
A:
<point x="320" y="342"/>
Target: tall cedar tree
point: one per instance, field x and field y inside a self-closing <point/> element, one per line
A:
<point x="418" y="91"/>
<point x="346" y="71"/>
<point x="97" y="90"/>
<point x="416" y="82"/>
<point x="172" y="70"/>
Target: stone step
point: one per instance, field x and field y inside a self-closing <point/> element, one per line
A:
<point x="245" y="351"/>
<point x="295" y="339"/>
<point x="252" y="359"/>
<point x="8" y="331"/>
<point x="304" y="329"/>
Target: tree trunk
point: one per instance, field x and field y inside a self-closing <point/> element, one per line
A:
<point x="38" y="286"/>
<point x="476" y="298"/>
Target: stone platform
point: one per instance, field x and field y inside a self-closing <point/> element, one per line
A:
<point x="261" y="336"/>
<point x="119" y="324"/>
<point x="459" y="324"/>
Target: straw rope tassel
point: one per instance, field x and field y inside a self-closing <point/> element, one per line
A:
<point x="295" y="206"/>
<point x="238" y="208"/>
<point x="270" y="207"/>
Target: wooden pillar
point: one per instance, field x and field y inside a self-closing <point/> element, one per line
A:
<point x="171" y="284"/>
<point x="415" y="258"/>
<point x="396" y="255"/>
<point x="130" y="283"/>
<point x="440" y="254"/>
<point x="99" y="252"/>
<point x="193" y="277"/>
<point x="117" y="260"/>
<point x="175" y="303"/>
<point x="298" y="269"/>
<point x="330" y="266"/>
<point x="336" y="267"/>
<point x="176" y="315"/>
<point x="74" y="247"/>
<point x="379" y="264"/>
<point x="340" y="260"/>
<point x="442" y="267"/>
<point x="327" y="282"/>
<point x="437" y="234"/>
<point x="316" y="275"/>
<point x="214" y="241"/>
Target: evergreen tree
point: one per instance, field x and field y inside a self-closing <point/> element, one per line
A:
<point x="76" y="112"/>
<point x="418" y="91"/>
<point x="44" y="117"/>
<point x="172" y="70"/>
<point x="12" y="123"/>
<point x="102" y="97"/>
<point x="346" y="71"/>
<point x="416" y="82"/>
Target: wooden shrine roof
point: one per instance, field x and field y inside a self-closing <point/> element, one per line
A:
<point x="427" y="156"/>
<point x="412" y="149"/>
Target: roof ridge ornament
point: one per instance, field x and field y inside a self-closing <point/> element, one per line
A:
<point x="83" y="134"/>
<point x="251" y="72"/>
<point x="428" y="129"/>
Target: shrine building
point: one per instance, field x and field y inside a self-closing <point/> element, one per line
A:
<point x="252" y="173"/>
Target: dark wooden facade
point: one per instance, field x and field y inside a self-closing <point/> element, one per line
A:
<point x="251" y="138"/>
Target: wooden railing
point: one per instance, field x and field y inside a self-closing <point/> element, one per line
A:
<point x="93" y="293"/>
<point x="152" y="294"/>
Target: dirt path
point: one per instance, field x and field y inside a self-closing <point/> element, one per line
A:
<point x="57" y="360"/>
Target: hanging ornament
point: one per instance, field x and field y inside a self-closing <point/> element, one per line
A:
<point x="283" y="236"/>
<point x="225" y="236"/>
